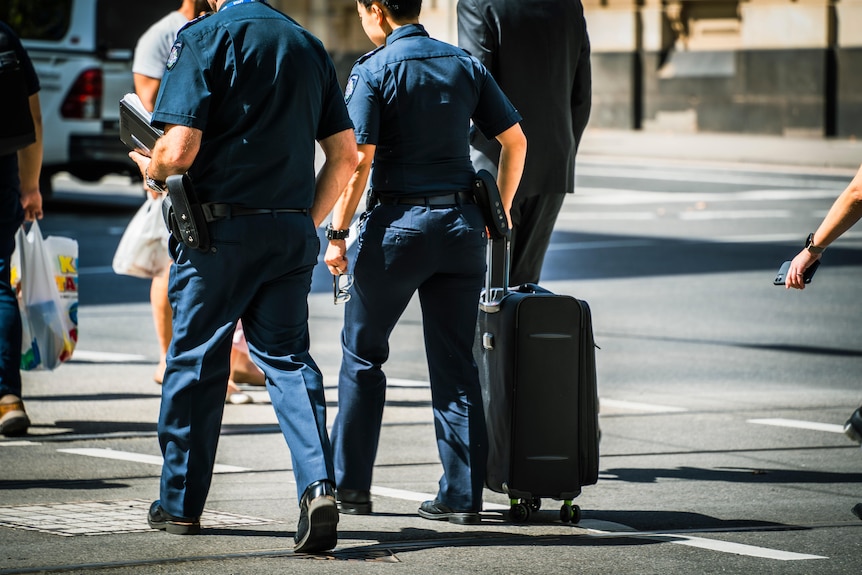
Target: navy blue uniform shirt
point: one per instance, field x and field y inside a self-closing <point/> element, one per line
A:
<point x="414" y="98"/>
<point x="260" y="109"/>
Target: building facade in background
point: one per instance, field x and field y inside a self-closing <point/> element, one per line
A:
<point x="779" y="67"/>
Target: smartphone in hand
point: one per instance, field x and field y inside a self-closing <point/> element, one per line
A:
<point x="781" y="276"/>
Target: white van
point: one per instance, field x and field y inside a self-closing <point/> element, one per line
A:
<point x="82" y="51"/>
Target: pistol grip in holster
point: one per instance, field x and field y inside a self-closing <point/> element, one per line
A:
<point x="183" y="213"/>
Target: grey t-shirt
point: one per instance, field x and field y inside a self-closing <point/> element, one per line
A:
<point x="154" y="45"/>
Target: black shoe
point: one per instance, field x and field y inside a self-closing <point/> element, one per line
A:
<point x="853" y="427"/>
<point x="354" y="501"/>
<point x="318" y="519"/>
<point x="857" y="510"/>
<point x="436" y="511"/>
<point x="157" y="518"/>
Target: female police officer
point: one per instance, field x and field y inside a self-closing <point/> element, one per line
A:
<point x="245" y="94"/>
<point x="411" y="101"/>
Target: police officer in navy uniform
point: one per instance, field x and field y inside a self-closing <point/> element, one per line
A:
<point x="245" y="95"/>
<point x="411" y="102"/>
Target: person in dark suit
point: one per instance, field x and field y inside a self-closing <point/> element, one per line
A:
<point x="539" y="53"/>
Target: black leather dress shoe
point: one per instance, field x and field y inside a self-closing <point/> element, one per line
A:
<point x="354" y="501"/>
<point x="853" y="427"/>
<point x="157" y="518"/>
<point x="318" y="519"/>
<point x="436" y="511"/>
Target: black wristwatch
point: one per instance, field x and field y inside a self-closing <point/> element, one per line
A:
<point x="332" y="234"/>
<point x="153" y="184"/>
<point x="812" y="249"/>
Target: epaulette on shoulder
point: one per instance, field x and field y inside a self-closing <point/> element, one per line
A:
<point x="365" y="57"/>
<point x="196" y="20"/>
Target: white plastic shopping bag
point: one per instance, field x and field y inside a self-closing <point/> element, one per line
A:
<point x="143" y="249"/>
<point x="46" y="269"/>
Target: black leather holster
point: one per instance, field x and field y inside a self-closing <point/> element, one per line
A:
<point x="183" y="214"/>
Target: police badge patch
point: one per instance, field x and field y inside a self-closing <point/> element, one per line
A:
<point x="351" y="86"/>
<point x="174" y="55"/>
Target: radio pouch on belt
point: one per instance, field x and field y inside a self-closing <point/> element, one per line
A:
<point x="183" y="213"/>
<point x="487" y="197"/>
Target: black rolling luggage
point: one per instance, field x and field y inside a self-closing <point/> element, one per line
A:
<point x="536" y="358"/>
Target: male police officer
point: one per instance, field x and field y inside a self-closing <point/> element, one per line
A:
<point x="245" y="94"/>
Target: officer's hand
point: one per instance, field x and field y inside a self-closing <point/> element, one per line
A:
<point x="335" y="257"/>
<point x="141" y="160"/>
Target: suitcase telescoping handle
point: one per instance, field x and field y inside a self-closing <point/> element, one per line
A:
<point x="496" y="280"/>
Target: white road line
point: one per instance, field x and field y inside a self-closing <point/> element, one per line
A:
<point x="18" y="443"/>
<point x="396" y="382"/>
<point x="105" y="357"/>
<point x="597" y="528"/>
<point x="616" y="529"/>
<point x="797" y="424"/>
<point x="601" y="245"/>
<point x="140" y="458"/>
<point x="734" y="214"/>
<point x="613" y="403"/>
<point x="612" y="215"/>
<point x="635" y="406"/>
<point x="624" y="196"/>
<point x="719" y="177"/>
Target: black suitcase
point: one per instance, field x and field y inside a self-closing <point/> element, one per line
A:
<point x="536" y="357"/>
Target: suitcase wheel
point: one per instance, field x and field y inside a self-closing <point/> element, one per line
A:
<point x="569" y="512"/>
<point x="519" y="512"/>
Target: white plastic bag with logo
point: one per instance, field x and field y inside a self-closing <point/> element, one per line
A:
<point x="143" y="249"/>
<point x="46" y="270"/>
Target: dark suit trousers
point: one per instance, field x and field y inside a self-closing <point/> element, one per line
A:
<point x="538" y="214"/>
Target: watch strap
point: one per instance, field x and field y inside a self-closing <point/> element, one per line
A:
<point x="333" y="234"/>
<point x="809" y="245"/>
<point x="154" y="184"/>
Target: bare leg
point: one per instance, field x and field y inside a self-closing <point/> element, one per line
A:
<point x="162" y="318"/>
<point x="242" y="368"/>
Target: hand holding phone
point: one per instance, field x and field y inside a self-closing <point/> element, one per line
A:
<point x="781" y="276"/>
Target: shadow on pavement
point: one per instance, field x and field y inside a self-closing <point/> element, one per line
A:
<point x="729" y="474"/>
<point x="617" y="256"/>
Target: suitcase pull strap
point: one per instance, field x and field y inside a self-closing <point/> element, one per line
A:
<point x="496" y="283"/>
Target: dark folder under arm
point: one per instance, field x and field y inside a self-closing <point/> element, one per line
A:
<point x="135" y="129"/>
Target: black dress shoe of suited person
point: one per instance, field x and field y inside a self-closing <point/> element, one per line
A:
<point x="436" y="511"/>
<point x="318" y="519"/>
<point x="157" y="518"/>
<point x="354" y="501"/>
<point x="853" y="427"/>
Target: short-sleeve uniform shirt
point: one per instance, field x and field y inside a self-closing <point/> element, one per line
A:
<point x="413" y="98"/>
<point x="261" y="89"/>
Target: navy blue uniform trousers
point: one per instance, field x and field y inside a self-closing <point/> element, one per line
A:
<point x="441" y="253"/>
<point x="259" y="270"/>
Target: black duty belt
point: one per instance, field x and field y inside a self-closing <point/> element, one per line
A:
<point x="438" y="201"/>
<point x="213" y="212"/>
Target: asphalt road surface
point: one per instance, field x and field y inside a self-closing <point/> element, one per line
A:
<point x="723" y="399"/>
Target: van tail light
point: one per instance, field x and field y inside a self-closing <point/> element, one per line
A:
<point x="84" y="101"/>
